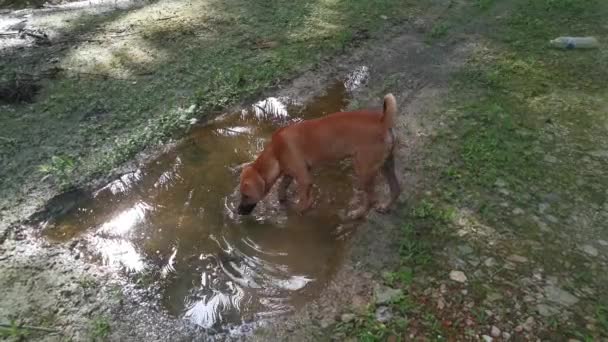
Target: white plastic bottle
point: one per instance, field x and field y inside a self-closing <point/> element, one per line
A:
<point x="575" y="42"/>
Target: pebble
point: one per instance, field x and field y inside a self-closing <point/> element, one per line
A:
<point x="487" y="338"/>
<point x="542" y="207"/>
<point x="495" y="332"/>
<point x="560" y="296"/>
<point x="506" y="336"/>
<point x="518" y="211"/>
<point x="458" y="276"/>
<point x="385" y="294"/>
<point x="552" y="219"/>
<point x="546" y="310"/>
<point x="347" y="317"/>
<point x="529" y="324"/>
<point x="383" y="314"/>
<point x="603" y="242"/>
<point x="517" y="258"/>
<point x="465" y="249"/>
<point x="590" y="250"/>
<point x="500" y="183"/>
<point x="490" y="262"/>
<point x="550" y="159"/>
<point x="440" y="304"/>
<point x="494" y="296"/>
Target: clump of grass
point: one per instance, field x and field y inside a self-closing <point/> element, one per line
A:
<point x="439" y="31"/>
<point x="61" y="168"/>
<point x="100" y="328"/>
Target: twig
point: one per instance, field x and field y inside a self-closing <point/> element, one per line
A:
<point x="167" y="18"/>
<point x="101" y="75"/>
<point x="29" y="327"/>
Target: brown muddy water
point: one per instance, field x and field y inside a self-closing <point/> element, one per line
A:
<point x="174" y="222"/>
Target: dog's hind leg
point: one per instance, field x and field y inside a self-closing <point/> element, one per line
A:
<point x="367" y="185"/>
<point x="285" y="182"/>
<point x="366" y="165"/>
<point x="388" y="171"/>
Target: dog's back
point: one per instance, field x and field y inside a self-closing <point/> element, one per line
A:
<point x="342" y="134"/>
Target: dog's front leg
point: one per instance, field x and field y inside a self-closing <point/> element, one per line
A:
<point x="304" y="193"/>
<point x="283" y="186"/>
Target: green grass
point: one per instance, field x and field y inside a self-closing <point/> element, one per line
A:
<point x="14" y="332"/>
<point x="100" y="329"/>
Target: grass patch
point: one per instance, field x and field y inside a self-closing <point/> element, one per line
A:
<point x="100" y="329"/>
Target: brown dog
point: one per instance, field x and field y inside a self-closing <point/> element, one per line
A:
<point x="366" y="136"/>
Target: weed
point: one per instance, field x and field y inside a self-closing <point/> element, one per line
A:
<point x="14" y="331"/>
<point x="484" y="4"/>
<point x="100" y="328"/>
<point x="601" y="314"/>
<point x="428" y="210"/>
<point x="439" y="31"/>
<point x="87" y="282"/>
<point x="60" y="167"/>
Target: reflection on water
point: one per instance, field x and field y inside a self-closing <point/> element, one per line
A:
<point x="174" y="220"/>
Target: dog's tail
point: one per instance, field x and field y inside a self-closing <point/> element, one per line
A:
<point x="389" y="111"/>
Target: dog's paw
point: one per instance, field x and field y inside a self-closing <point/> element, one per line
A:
<point x="382" y="208"/>
<point x="355" y="214"/>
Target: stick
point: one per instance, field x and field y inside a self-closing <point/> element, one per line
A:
<point x="29" y="327"/>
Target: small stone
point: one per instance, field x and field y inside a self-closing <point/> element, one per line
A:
<point x="517" y="258"/>
<point x="603" y="243"/>
<point x="385" y="294"/>
<point x="518" y="211"/>
<point x="500" y="183"/>
<point x="347" y="317"/>
<point x="506" y="336"/>
<point x="494" y="296"/>
<point x="383" y="314"/>
<point x="550" y="159"/>
<point x="529" y="324"/>
<point x="383" y="17"/>
<point x="542" y="207"/>
<point x="528" y="299"/>
<point x="458" y="276"/>
<point x="560" y="296"/>
<point x="440" y="304"/>
<point x="495" y="332"/>
<point x="487" y="338"/>
<point x="519" y="328"/>
<point x="465" y="249"/>
<point x="443" y="288"/>
<point x="552" y="219"/>
<point x="590" y="250"/>
<point x="509" y="266"/>
<point x="326" y="322"/>
<point x="490" y="262"/>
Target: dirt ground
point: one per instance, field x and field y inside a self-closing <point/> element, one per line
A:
<point x="500" y="234"/>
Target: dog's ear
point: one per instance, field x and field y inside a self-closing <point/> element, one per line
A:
<point x="252" y="183"/>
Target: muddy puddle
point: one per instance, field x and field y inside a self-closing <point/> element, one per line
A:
<point x="174" y="222"/>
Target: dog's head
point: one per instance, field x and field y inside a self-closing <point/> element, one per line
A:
<point x="252" y="190"/>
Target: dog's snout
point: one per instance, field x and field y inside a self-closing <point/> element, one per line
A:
<point x="245" y="209"/>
